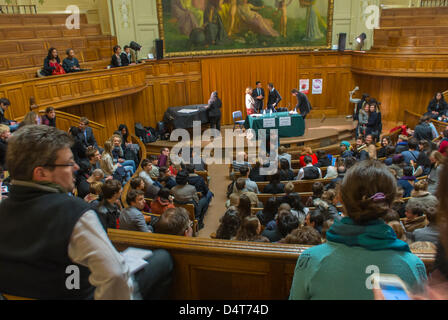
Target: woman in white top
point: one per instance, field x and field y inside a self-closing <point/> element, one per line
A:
<point x="250" y="102"/>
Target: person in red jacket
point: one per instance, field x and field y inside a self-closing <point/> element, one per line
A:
<point x="307" y="151"/>
<point x="443" y="147"/>
<point x="163" y="202"/>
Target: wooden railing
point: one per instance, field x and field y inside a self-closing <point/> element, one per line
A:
<point x="73" y="89"/>
<point x="434" y="3"/>
<point x="18" y="9"/>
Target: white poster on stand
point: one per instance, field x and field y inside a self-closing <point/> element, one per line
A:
<point x="317" y="86"/>
<point x="304" y="85"/>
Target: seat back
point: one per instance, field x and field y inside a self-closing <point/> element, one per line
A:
<point x="237" y="115"/>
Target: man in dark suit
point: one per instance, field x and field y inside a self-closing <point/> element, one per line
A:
<point x="303" y="104"/>
<point x="86" y="136"/>
<point x="274" y="97"/>
<point x="258" y="95"/>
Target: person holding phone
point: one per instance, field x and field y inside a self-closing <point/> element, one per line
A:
<point x="359" y="244"/>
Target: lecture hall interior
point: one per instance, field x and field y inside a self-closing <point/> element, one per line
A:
<point x="327" y="154"/>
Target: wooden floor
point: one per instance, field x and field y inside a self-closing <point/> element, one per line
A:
<point x="318" y="133"/>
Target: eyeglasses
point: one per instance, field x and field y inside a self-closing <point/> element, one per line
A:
<point x="71" y="164"/>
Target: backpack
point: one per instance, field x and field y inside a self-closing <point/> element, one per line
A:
<point x="162" y="131"/>
<point x="146" y="134"/>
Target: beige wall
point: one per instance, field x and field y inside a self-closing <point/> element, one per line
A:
<point x="136" y="20"/>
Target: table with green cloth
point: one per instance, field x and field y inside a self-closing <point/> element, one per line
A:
<point x="295" y="129"/>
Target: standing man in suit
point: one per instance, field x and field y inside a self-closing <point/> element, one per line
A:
<point x="258" y="95"/>
<point x="87" y="138"/>
<point x="303" y="104"/>
<point x="274" y="97"/>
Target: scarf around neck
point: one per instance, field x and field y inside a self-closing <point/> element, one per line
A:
<point x="376" y="235"/>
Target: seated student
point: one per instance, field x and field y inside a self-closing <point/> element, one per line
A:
<point x="255" y="175"/>
<point x="49" y="118"/>
<point x="95" y="192"/>
<point x="415" y="216"/>
<point x="360" y="149"/>
<point x="250" y="230"/>
<point x="399" y="230"/>
<point x="294" y="200"/>
<point x="162" y="160"/>
<point x="114" y="169"/>
<point x="437" y="165"/>
<point x="131" y="218"/>
<point x="241" y="189"/>
<point x="110" y="207"/>
<point x="5" y="133"/>
<point x="197" y="166"/>
<point x="116" y="58"/>
<point x="309" y="172"/>
<point x="420" y="194"/>
<point x="274" y="186"/>
<point x="402" y="144"/>
<point x="412" y="153"/>
<point x="307" y="151"/>
<point x="175" y="221"/>
<point x="236" y="164"/>
<point x="251" y="186"/>
<point x="78" y="149"/>
<point x="185" y="193"/>
<point x="199" y="183"/>
<point x="346" y="149"/>
<point x="385" y="142"/>
<point x="52" y="64"/>
<point x="118" y="154"/>
<point x="282" y="154"/>
<point x="390" y="152"/>
<point x="371" y="146"/>
<point x="423" y="130"/>
<point x="303" y="235"/>
<point x="166" y="178"/>
<point x="407" y="181"/>
<point x="4" y="105"/>
<point x="318" y="190"/>
<point x="82" y="178"/>
<point x="398" y="164"/>
<point x="94" y="157"/>
<point x="128" y="56"/>
<point x="323" y="159"/>
<point x="315" y="219"/>
<point x="360" y="239"/>
<point x="269" y="211"/>
<point x="163" y="202"/>
<point x="428" y="233"/>
<point x="285" y="223"/>
<point x="286" y="174"/>
<point x="154" y="173"/>
<point x="229" y="224"/>
<point x="86" y="134"/>
<point x="443" y="146"/>
<point x="71" y="64"/>
<point x="137" y="183"/>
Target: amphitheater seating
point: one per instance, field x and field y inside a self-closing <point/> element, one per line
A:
<point x="220" y="269"/>
<point x="412" y="30"/>
<point x="299" y="186"/>
<point x="26" y="39"/>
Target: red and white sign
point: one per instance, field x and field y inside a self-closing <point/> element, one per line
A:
<point x="304" y="86"/>
<point x="317" y="86"/>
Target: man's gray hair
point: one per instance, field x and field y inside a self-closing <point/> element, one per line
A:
<point x="34" y="146"/>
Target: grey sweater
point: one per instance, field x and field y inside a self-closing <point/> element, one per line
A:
<point x="133" y="220"/>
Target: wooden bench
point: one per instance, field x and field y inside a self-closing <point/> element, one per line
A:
<point x="300" y="185"/>
<point x="209" y="269"/>
<point x="264" y="197"/>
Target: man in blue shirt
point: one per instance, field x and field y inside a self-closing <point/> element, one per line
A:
<point x="71" y="64"/>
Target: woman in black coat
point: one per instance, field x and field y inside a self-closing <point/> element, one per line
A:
<point x="214" y="111"/>
<point x="437" y="106"/>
